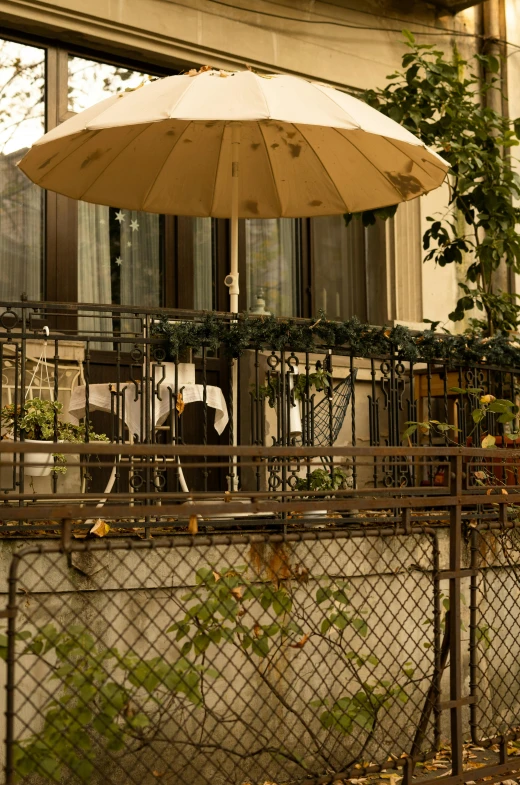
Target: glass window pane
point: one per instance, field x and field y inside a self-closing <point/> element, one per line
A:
<point x="204" y="264"/>
<point x="22" y="74"/>
<point x="339" y="267"/>
<point x="273" y="266"/>
<point x="119" y="256"/>
<point x="119" y="251"/>
<point x="91" y="82"/>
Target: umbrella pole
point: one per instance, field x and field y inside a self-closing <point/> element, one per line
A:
<point x="232" y="283"/>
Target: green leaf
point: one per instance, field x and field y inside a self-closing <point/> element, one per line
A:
<point x="409" y="36"/>
<point x="282" y="603"/>
<point x="325" y="626"/>
<point x="261" y="646"/>
<point x="361" y="626"/>
<point x="322" y="595"/>
<point x="409" y="431"/>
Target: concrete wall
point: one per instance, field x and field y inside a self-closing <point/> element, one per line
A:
<point x="129" y="599"/>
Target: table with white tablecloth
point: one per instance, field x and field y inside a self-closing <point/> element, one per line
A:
<point x="101" y="399"/>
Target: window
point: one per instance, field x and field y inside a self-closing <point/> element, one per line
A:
<point x="120" y="256"/>
<point x="205" y="269"/>
<point x="339" y="267"/>
<point x="273" y="266"/>
<point x="22" y="75"/>
<point x="371" y="272"/>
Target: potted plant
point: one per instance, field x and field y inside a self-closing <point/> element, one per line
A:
<point x="322" y="480"/>
<point x="38" y="420"/>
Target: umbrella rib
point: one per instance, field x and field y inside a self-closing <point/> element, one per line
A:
<point x="423" y="147"/>
<point x="218" y="167"/>
<point x="94" y="181"/>
<point x="324" y="167"/>
<point x="271" y="169"/>
<point x="332" y="100"/>
<point x="165" y="161"/>
<point x="382" y="174"/>
<point x="71" y="152"/>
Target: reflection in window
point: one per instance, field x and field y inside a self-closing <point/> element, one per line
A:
<point x="273" y="266"/>
<point x="91" y="82"/>
<point x="119" y="251"/>
<point x="339" y="254"/>
<point x="204" y="264"/>
<point x="22" y="73"/>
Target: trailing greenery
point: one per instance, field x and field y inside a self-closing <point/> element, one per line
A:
<point x="443" y="102"/>
<point x="39" y="419"/>
<point x="362" y="340"/>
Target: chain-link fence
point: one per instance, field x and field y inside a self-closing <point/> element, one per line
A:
<point x="230" y="660"/>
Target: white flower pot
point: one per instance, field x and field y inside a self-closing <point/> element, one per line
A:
<point x="45" y="461"/>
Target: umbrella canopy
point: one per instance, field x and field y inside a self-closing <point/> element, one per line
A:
<point x="304" y="149"/>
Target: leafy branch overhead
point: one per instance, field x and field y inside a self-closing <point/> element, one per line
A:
<point x="443" y="102"/>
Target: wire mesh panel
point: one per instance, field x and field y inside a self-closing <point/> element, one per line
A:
<point x="222" y="660"/>
<point x="495" y="633"/>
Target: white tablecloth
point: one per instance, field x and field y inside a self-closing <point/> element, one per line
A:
<point x="100" y="399"/>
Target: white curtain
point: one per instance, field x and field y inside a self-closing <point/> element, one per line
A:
<point x="140" y="259"/>
<point x="203" y="256"/>
<point x="339" y="267"/>
<point x="273" y="264"/>
<point x="21" y="232"/>
<point x="94" y="284"/>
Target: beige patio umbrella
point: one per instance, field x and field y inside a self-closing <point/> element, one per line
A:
<point x="234" y="144"/>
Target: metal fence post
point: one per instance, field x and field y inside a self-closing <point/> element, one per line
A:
<point x="454" y="616"/>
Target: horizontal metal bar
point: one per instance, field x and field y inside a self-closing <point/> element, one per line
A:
<point x="465" y="573"/>
<point x="112" y="448"/>
<point x="443" y="705"/>
<point x="188" y="541"/>
<point x="125" y="511"/>
<point x="488" y="773"/>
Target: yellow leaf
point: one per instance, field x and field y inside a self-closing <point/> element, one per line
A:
<point x="180" y="403"/>
<point x="100" y="528"/>
<point x="193" y="526"/>
<point x="488" y="441"/>
<point x="301" y="643"/>
<point x="503" y="490"/>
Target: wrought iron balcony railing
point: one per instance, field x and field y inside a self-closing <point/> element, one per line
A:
<point x="137" y="376"/>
